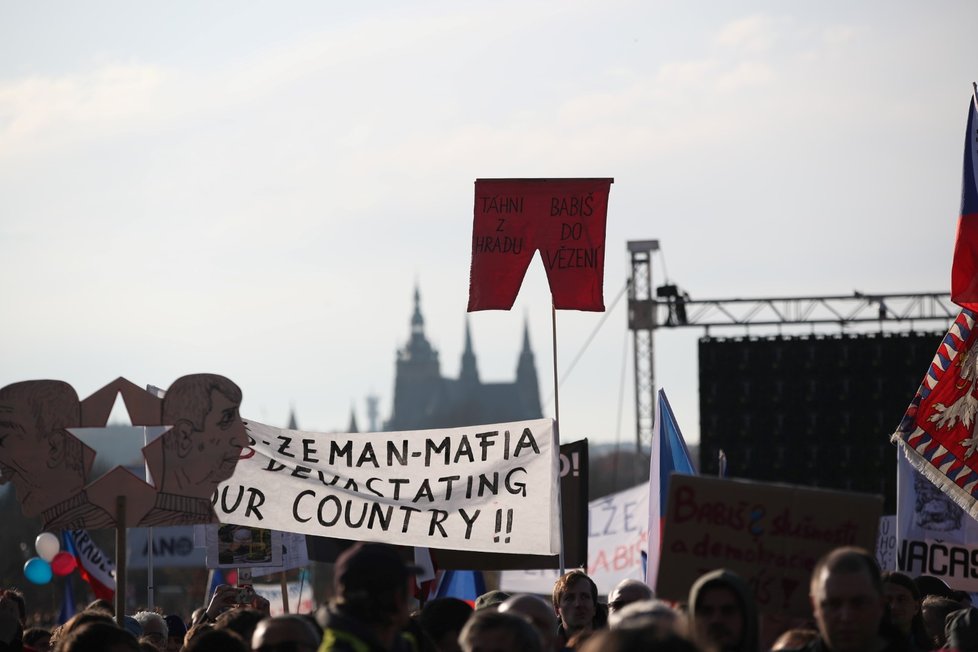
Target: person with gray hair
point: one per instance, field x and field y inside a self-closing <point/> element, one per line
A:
<point x="492" y="631"/>
<point x="154" y="628"/>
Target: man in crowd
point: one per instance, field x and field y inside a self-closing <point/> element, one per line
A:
<point x="372" y="588"/>
<point x="722" y="613"/>
<point x="847" y="599"/>
<point x="575" y="600"/>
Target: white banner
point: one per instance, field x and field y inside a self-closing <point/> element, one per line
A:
<point x="617" y="537"/>
<point x="490" y="488"/>
<point x="933" y="533"/>
<point x="173" y="547"/>
<point x="886" y="543"/>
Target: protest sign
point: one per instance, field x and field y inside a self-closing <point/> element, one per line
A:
<point x="173" y="547"/>
<point x="617" y="536"/>
<point x="562" y="218"/>
<point x="242" y="546"/>
<point x="769" y="534"/>
<point x="489" y="487"/>
<point x="300" y="597"/>
<point x="886" y="543"/>
<point x="934" y="535"/>
<point x="574" y="511"/>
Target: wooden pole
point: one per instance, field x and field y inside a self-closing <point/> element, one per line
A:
<point x="120" y="559"/>
<point x="560" y="500"/>
<point x="285" y="592"/>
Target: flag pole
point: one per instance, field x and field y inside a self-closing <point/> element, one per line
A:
<point x="974" y="94"/>
<point x="560" y="500"/>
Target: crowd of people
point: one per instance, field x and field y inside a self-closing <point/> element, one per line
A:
<point x="855" y="608"/>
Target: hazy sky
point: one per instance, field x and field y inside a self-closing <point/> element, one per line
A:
<point x="253" y="189"/>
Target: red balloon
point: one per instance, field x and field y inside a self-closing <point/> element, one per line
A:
<point x="63" y="563"/>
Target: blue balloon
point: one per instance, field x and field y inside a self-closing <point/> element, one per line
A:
<point x="38" y="571"/>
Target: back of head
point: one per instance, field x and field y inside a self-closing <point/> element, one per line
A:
<point x="217" y="640"/>
<point x="370" y="580"/>
<point x="491" y="600"/>
<point x="961" y="629"/>
<point x="443" y="616"/>
<point x="655" y="614"/>
<point x="290" y="629"/>
<point x="630" y="640"/>
<point x="240" y="620"/>
<point x="98" y="636"/>
<point x="626" y="592"/>
<point x="506" y="630"/>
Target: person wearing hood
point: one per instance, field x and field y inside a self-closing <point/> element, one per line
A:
<point x="722" y="613"/>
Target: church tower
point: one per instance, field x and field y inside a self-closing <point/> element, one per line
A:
<point x="418" y="383"/>
<point x="527" y="383"/>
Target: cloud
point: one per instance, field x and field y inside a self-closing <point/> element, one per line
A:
<point x="754" y="34"/>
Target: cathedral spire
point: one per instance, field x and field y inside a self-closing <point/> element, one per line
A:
<point x="469" y="372"/>
<point x="353" y="421"/>
<point x="526" y="373"/>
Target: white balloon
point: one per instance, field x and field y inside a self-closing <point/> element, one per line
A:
<point x="47" y="546"/>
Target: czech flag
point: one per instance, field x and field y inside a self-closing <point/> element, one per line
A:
<point x="964" y="270"/>
<point x="669" y="454"/>
<point x="94" y="565"/>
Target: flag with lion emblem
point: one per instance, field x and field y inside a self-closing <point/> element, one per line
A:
<point x="937" y="433"/>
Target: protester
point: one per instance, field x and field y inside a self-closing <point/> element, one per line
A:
<point x="490" y="600"/>
<point x="961" y="630"/>
<point x="637" y="640"/>
<point x="153" y="627"/>
<point x="626" y="592"/>
<point x="645" y="614"/>
<point x="935" y="610"/>
<point x="722" y="613"/>
<point x="442" y="620"/>
<point x="575" y="601"/>
<point x="176" y="629"/>
<point x="289" y="632"/>
<point x="371" y="600"/>
<point x="903" y="599"/>
<point x="847" y="599"/>
<point x="540" y="614"/>
<point x="217" y="640"/>
<point x="100" y="636"/>
<point x="37" y="639"/>
<point x="491" y="631"/>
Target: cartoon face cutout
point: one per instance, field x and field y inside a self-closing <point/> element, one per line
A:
<point x="217" y="447"/>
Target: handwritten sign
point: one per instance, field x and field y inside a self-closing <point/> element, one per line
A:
<point x="574" y="510"/>
<point x="617" y="537"/>
<point x="562" y="218"/>
<point x="771" y="535"/>
<point x="490" y="488"/>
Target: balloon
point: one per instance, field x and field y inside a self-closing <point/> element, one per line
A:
<point x="63" y="563"/>
<point x="47" y="546"/>
<point x="37" y="570"/>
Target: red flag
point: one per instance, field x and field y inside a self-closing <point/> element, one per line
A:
<point x="937" y="433"/>
<point x="964" y="271"/>
<point x="563" y="218"/>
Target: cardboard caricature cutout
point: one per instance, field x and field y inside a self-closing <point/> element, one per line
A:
<point x="50" y="467"/>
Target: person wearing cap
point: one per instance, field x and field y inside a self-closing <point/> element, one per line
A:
<point x="371" y="601"/>
<point x="491" y="600"/>
<point x="176" y="629"/>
